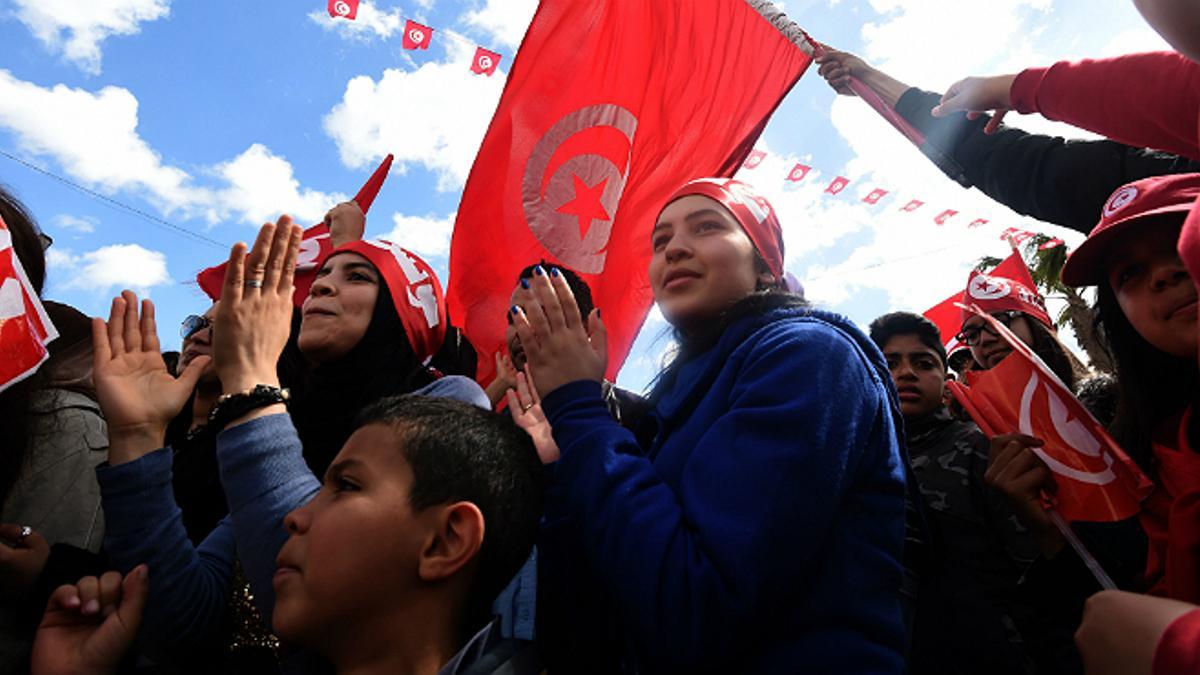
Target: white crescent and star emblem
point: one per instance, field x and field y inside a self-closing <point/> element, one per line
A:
<point x="1120" y="200"/>
<point x="1073" y="433"/>
<point x="342" y="8"/>
<point x="571" y="201"/>
<point x="987" y="288"/>
<point x="417" y="36"/>
<point x="485" y="62"/>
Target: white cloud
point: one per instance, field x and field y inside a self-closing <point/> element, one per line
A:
<point x="434" y="117"/>
<point x="262" y="186"/>
<point x="427" y="236"/>
<point x="504" y="20"/>
<point x="76" y="28"/>
<point x="94" y="136"/>
<point x="117" y="266"/>
<point x="84" y="225"/>
<point x="370" y="22"/>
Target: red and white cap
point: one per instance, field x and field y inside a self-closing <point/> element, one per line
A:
<point x="997" y="294"/>
<point x="752" y="211"/>
<point x="415" y="289"/>
<point x="1131" y="203"/>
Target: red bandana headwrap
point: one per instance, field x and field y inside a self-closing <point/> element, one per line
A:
<point x="416" y="292"/>
<point x="997" y="294"/>
<point x="752" y="211"/>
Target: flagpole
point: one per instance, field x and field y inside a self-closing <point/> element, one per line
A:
<point x="1085" y="555"/>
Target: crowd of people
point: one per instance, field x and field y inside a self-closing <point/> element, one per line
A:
<point x="326" y="488"/>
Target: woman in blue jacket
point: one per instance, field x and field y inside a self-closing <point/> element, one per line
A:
<point x="754" y="521"/>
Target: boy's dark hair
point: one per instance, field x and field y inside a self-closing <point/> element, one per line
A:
<point x="890" y="325"/>
<point x="583" y="293"/>
<point x="459" y="452"/>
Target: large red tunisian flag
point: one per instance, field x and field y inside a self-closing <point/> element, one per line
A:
<point x="25" y="328"/>
<point x="610" y="106"/>
<point x="948" y="315"/>
<point x="1096" y="480"/>
<point x="313" y="246"/>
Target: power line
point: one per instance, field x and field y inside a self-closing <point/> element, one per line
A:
<point x="113" y="203"/>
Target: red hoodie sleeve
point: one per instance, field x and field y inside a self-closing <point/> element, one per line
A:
<point x="1148" y="100"/>
<point x="1179" y="649"/>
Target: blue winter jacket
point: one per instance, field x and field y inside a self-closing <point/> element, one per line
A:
<point x="758" y="526"/>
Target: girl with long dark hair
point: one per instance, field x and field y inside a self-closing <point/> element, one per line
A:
<point x="755" y="520"/>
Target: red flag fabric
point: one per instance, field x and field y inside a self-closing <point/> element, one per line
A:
<point x="947" y="314"/>
<point x="754" y="159"/>
<point x="314" y="245"/>
<point x="25" y="329"/>
<point x="798" y="173"/>
<point x="1053" y="243"/>
<point x="912" y="205"/>
<point x="345" y="9"/>
<point x="837" y="185"/>
<point x="978" y="222"/>
<point x="485" y="61"/>
<point x="1096" y="480"/>
<point x="576" y="169"/>
<point x="416" y="36"/>
<point x="875" y="196"/>
<point x="942" y="217"/>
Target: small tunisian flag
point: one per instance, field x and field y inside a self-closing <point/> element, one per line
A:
<point x="799" y="172"/>
<point x="345" y="9"/>
<point x="485" y="61"/>
<point x="1096" y="480"/>
<point x="25" y="329"/>
<point x="837" y="185"/>
<point x="313" y="246"/>
<point x="416" y="36"/>
<point x="755" y="158"/>
<point x="942" y="217"/>
<point x="576" y="168"/>
<point x="912" y="205"/>
<point x="947" y="314"/>
<point x="875" y="196"/>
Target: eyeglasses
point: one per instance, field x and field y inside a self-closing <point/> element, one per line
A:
<point x="970" y="335"/>
<point x="192" y="325"/>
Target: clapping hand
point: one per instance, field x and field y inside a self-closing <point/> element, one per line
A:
<point x="254" y="318"/>
<point x="137" y="393"/>
<point x="558" y="348"/>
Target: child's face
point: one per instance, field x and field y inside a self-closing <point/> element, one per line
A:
<point x="918" y="373"/>
<point x="1153" y="288"/>
<point x="354" y="548"/>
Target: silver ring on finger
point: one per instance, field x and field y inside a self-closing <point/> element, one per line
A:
<point x="254" y="283"/>
<point x="25" y="532"/>
<point x="526" y="407"/>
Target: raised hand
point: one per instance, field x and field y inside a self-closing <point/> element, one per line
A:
<point x="978" y="95"/>
<point x="346" y="223"/>
<point x="88" y="626"/>
<point x="506" y="378"/>
<point x="525" y="406"/>
<point x="557" y="347"/>
<point x="838" y="67"/>
<point x="22" y="563"/>
<point x="137" y="393"/>
<point x="253" y="319"/>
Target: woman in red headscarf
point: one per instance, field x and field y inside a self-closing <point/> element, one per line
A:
<point x="374" y="318"/>
<point x="754" y="522"/>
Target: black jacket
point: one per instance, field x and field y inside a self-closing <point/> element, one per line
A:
<point x="1059" y="181"/>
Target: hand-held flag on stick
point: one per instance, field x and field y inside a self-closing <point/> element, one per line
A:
<point x="575" y="169"/>
<point x="1096" y="480"/>
<point x="25" y="328"/>
<point x="313" y="246"/>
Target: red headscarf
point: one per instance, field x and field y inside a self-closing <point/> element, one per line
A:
<point x="415" y="289"/>
<point x="996" y="294"/>
<point x="752" y="211"/>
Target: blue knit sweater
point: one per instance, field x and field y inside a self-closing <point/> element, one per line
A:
<point x="760" y="531"/>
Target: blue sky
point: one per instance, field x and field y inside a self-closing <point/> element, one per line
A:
<point x="217" y="115"/>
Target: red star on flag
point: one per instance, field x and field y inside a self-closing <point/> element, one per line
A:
<point x="587" y="204"/>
